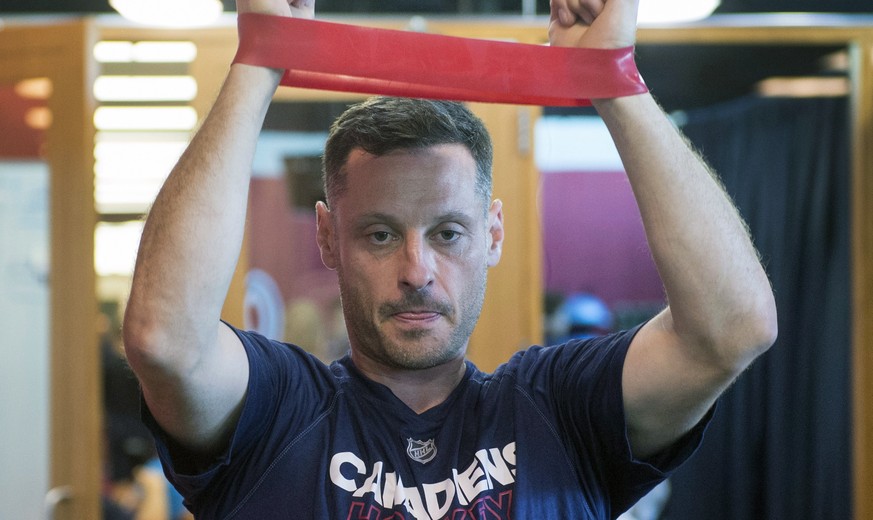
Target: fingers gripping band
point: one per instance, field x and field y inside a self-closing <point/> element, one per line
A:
<point x="348" y="58"/>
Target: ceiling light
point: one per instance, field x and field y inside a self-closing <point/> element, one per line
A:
<point x="675" y="11"/>
<point x="34" y="88"/>
<point x="145" y="118"/>
<point x="115" y="247"/>
<point x="145" y="52"/>
<point x="164" y="52"/>
<point x="169" y="13"/>
<point x="803" y="87"/>
<point x="145" y="88"/>
<point x="38" y="118"/>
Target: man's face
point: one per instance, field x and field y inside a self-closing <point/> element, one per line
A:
<point x="411" y="242"/>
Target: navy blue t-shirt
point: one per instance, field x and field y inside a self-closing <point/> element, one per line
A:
<point x="542" y="437"/>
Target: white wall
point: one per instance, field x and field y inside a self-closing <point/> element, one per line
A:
<point x="24" y="339"/>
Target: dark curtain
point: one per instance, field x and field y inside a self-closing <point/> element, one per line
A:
<point x="779" y="447"/>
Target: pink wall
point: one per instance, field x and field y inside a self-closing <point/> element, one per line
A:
<point x="594" y="240"/>
<point x="282" y="243"/>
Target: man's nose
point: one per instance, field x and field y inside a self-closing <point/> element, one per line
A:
<point x="417" y="264"/>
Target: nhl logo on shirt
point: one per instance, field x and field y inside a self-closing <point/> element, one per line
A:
<point x="421" y="451"/>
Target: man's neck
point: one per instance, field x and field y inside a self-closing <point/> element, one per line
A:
<point x="420" y="390"/>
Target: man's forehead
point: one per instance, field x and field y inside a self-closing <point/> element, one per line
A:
<point x="359" y="155"/>
<point x="419" y="168"/>
<point x="428" y="205"/>
<point x="435" y="180"/>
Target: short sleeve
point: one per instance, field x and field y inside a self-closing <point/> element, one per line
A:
<point x="580" y="382"/>
<point x="287" y="388"/>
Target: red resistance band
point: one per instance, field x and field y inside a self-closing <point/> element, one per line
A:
<point x="348" y="58"/>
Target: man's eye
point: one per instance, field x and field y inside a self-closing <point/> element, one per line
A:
<point x="448" y="235"/>
<point x="381" y="236"/>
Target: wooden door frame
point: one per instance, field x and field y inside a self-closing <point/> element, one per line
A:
<point x="61" y="52"/>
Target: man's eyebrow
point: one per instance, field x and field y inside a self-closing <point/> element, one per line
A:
<point x="376" y="217"/>
<point x="460" y="217"/>
<point x="368" y="219"/>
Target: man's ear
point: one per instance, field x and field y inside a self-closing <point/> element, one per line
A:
<point x="325" y="236"/>
<point x="495" y="232"/>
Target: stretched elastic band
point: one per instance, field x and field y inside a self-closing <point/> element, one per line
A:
<point x="341" y="57"/>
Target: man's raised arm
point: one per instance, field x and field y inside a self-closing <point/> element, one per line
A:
<point x="721" y="312"/>
<point x="192" y="369"/>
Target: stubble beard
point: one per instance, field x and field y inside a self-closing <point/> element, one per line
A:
<point x="410" y="349"/>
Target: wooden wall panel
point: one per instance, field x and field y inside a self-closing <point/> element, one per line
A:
<point x="61" y="52"/>
<point x="512" y="317"/>
<point x="862" y="274"/>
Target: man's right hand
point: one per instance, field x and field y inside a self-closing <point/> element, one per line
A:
<point x="601" y="24"/>
<point x="295" y="8"/>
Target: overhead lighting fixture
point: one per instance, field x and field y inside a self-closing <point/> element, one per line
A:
<point x="145" y="118"/>
<point x="145" y="88"/>
<point x="38" y="118"/>
<point x="115" y="247"/>
<point x="675" y="11"/>
<point x="804" y="87"/>
<point x="130" y="167"/>
<point x="34" y="88"/>
<point x="169" y="13"/>
<point x="145" y="52"/>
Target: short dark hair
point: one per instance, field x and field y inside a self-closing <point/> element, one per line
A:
<point x="382" y="125"/>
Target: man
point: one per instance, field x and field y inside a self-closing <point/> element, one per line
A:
<point x="404" y="427"/>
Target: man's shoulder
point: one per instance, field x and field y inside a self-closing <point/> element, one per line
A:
<point x="260" y="346"/>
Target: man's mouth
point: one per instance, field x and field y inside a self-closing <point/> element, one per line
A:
<point x="417" y="315"/>
<point x="415" y="309"/>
